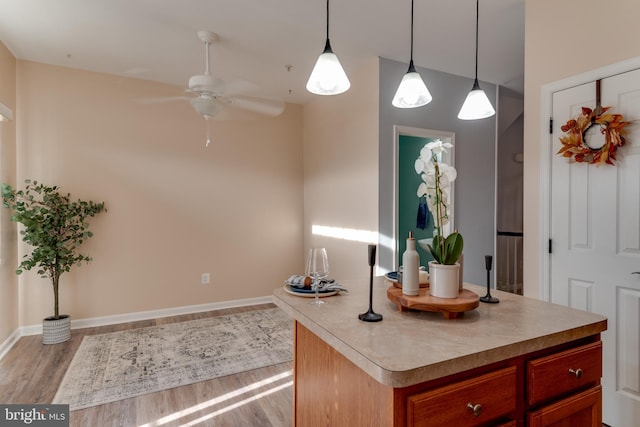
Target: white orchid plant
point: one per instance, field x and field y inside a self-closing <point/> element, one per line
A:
<point x="437" y="178"/>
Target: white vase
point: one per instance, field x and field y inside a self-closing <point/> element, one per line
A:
<point x="444" y="280"/>
<point x="411" y="268"/>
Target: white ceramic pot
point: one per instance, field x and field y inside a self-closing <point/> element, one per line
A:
<point x="55" y="331"/>
<point x="444" y="280"/>
<point x="461" y="274"/>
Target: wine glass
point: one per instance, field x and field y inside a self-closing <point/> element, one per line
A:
<point x="317" y="268"/>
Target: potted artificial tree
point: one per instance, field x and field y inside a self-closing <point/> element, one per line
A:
<point x="56" y="227"/>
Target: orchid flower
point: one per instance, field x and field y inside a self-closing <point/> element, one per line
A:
<point x="437" y="179"/>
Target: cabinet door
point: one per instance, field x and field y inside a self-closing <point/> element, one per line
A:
<point x="473" y="402"/>
<point x="582" y="409"/>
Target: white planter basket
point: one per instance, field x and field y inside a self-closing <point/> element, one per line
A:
<point x="55" y="331"/>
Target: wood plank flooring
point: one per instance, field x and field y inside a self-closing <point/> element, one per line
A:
<point x="31" y="373"/>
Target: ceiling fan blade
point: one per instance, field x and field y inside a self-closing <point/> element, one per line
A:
<point x="162" y="99"/>
<point x="269" y="107"/>
<point x="234" y="86"/>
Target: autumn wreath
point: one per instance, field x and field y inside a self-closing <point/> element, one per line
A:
<point x="575" y="146"/>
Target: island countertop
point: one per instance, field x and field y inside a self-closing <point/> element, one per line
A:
<point x="412" y="347"/>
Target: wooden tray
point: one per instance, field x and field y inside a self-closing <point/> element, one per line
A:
<point x="449" y="307"/>
<point x="399" y="285"/>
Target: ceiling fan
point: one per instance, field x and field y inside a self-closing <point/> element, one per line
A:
<point x="213" y="94"/>
<point x="218" y="99"/>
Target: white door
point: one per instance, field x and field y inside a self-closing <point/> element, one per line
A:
<point x="595" y="232"/>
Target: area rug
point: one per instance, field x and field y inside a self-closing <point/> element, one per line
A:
<point x="121" y="365"/>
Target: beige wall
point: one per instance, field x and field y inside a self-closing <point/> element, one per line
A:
<point x="175" y="208"/>
<point x="8" y="279"/>
<point x="563" y="39"/>
<point x="341" y="169"/>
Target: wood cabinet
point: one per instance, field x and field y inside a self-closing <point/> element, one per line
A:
<point x="558" y="386"/>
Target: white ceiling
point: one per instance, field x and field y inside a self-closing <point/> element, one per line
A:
<point x="156" y="39"/>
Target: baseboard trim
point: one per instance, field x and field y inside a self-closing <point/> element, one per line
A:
<point x="133" y="317"/>
<point x="155" y="314"/>
<point x="9" y="343"/>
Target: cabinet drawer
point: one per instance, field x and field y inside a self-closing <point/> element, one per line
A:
<point x="583" y="409"/>
<point x="560" y="373"/>
<point x="492" y="395"/>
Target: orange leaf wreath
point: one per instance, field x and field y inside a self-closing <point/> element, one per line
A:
<point x="573" y="142"/>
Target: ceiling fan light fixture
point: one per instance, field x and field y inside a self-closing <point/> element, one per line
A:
<point x="328" y="76"/>
<point x="476" y="105"/>
<point x="207" y="107"/>
<point x="412" y="91"/>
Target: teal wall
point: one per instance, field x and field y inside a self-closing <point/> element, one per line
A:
<point x="408" y="180"/>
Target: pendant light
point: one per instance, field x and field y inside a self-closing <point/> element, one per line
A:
<point x="328" y="77"/>
<point x="477" y="104"/>
<point x="412" y="91"/>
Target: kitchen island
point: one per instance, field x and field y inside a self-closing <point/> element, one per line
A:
<point x="519" y="362"/>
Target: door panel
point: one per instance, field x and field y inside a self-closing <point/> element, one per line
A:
<point x="581" y="294"/>
<point x="628" y="344"/>
<point x="629" y="230"/>
<point x="580" y="236"/>
<point x="595" y="228"/>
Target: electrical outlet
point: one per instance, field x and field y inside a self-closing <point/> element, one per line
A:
<point x="204" y="279"/>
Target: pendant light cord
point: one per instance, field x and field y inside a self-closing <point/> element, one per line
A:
<point x="327" y="19"/>
<point x="411" y="58"/>
<point x="477" y="13"/>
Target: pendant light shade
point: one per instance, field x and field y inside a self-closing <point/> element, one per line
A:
<point x="412" y="91"/>
<point x="328" y="77"/>
<point x="476" y="105"/>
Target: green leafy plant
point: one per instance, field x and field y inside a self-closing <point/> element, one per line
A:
<point x="447" y="250"/>
<point x="437" y="178"/>
<point x="54" y="225"/>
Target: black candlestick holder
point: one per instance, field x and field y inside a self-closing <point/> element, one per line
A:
<point x="370" y="316"/>
<point x="488" y="298"/>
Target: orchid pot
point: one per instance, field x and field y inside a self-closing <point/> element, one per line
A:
<point x="444" y="280"/>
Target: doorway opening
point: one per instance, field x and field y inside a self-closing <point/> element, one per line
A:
<point x="408" y="143"/>
<point x="509" y="192"/>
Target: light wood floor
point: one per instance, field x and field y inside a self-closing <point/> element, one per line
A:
<point x="31" y="373"/>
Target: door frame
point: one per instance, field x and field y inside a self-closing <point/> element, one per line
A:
<point x="546" y="152"/>
<point x="399" y="130"/>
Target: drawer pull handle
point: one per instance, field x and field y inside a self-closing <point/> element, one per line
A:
<point x="576" y="372"/>
<point x="477" y="409"/>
